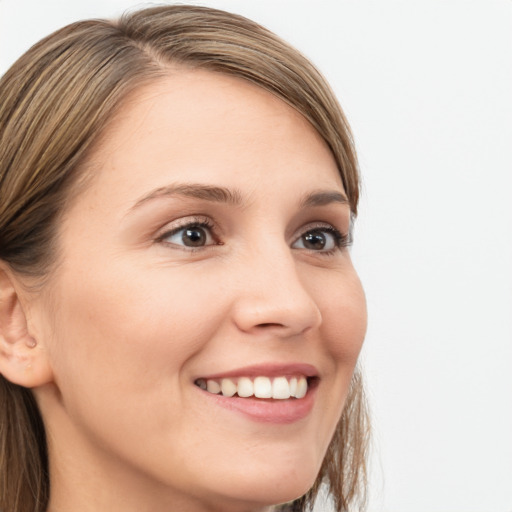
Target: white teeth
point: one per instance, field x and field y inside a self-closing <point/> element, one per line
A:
<point x="279" y="388"/>
<point x="228" y="387"/>
<point x="262" y="387"/>
<point x="213" y="387"/>
<point x="245" y="387"/>
<point x="293" y="386"/>
<point x="302" y="388"/>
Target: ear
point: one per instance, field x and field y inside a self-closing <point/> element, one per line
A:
<point x="23" y="360"/>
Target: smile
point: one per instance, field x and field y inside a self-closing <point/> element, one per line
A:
<point x="277" y="388"/>
<point x="270" y="392"/>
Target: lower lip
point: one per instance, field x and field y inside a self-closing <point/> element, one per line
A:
<point x="267" y="410"/>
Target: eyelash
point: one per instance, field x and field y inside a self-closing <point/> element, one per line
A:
<point x="341" y="240"/>
<point x="198" y="222"/>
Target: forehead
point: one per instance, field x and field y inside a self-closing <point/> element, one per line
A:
<point x="207" y="127"/>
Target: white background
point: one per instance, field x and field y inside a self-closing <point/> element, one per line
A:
<point x="427" y="87"/>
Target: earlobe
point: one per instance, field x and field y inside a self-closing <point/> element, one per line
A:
<point x="23" y="360"/>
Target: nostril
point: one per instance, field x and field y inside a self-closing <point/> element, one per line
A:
<point x="283" y="315"/>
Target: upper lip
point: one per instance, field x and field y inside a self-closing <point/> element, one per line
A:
<point x="267" y="370"/>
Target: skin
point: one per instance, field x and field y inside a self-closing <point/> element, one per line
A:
<point x="131" y="318"/>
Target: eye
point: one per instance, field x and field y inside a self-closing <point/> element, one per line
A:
<point x="321" y="239"/>
<point x="193" y="235"/>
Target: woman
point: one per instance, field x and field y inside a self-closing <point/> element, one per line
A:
<point x="179" y="320"/>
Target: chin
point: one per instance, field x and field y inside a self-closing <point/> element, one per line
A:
<point x="270" y="487"/>
<point x="259" y="498"/>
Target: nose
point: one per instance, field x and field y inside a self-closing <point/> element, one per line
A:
<point x="273" y="298"/>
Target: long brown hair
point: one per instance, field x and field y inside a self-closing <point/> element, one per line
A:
<point x="55" y="103"/>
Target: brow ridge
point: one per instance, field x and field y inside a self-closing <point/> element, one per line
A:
<point x="234" y="197"/>
<point x="323" y="198"/>
<point x="198" y="191"/>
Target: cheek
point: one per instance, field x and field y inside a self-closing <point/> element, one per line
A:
<point x="344" y="314"/>
<point x="343" y="306"/>
<point x="135" y="329"/>
<point x="121" y="354"/>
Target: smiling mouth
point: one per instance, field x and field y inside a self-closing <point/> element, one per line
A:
<point x="277" y="388"/>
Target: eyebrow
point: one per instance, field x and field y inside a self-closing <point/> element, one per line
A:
<point x="197" y="191"/>
<point x="234" y="196"/>
<point x="323" y="198"/>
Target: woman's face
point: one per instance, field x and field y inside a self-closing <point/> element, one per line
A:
<point x="207" y="251"/>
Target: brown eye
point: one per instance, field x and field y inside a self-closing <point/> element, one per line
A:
<point x="314" y="240"/>
<point x="322" y="239"/>
<point x="193" y="235"/>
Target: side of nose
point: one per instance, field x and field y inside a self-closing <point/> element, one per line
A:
<point x="272" y="297"/>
